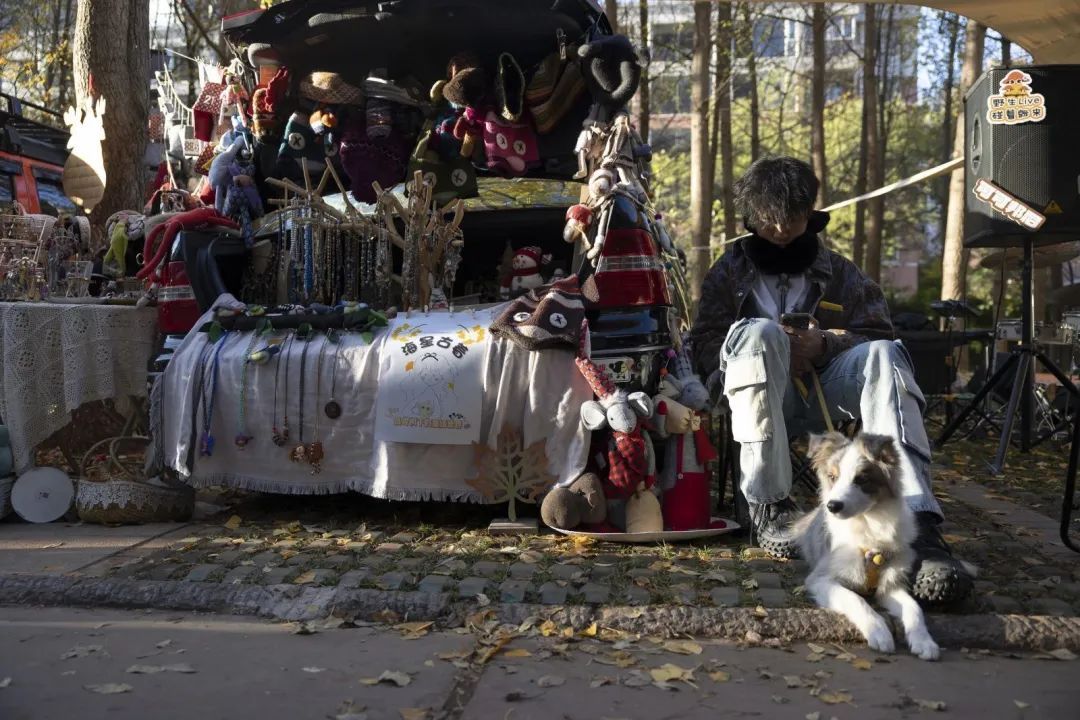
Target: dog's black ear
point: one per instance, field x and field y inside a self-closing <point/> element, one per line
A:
<point x="822" y="447"/>
<point x="880" y="448"/>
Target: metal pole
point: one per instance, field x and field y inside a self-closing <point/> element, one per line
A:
<point x="1027" y="326"/>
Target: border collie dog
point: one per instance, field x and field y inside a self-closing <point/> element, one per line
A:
<point x="858" y="540"/>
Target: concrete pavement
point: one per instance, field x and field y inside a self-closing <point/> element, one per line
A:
<point x="231" y="669"/>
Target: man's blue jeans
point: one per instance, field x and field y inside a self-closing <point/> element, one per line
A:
<point x="872" y="381"/>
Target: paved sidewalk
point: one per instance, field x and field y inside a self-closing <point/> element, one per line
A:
<point x="297" y="557"/>
<point x="121" y="664"/>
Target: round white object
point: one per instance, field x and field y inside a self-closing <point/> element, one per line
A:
<point x="42" y="495"/>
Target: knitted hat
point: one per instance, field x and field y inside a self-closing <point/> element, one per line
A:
<point x="545" y="317"/>
<point x="330" y="88"/>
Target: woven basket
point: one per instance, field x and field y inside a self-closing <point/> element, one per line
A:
<point x="117" y="502"/>
<point x="113" y="489"/>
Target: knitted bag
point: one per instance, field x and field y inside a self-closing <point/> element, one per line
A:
<point x="207" y="110"/>
<point x="451" y="178"/>
<point x="546" y="317"/>
<point x="511" y="147"/>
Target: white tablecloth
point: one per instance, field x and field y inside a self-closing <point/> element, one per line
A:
<point x="54" y="358"/>
<point x="538" y="393"/>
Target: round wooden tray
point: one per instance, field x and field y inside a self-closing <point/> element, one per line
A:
<point x="662" y="536"/>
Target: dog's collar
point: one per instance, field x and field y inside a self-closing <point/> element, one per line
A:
<point x="873" y="560"/>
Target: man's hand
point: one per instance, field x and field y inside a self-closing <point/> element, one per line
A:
<point x="807" y="347"/>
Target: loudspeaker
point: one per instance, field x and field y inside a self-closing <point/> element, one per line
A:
<point x="1021" y="136"/>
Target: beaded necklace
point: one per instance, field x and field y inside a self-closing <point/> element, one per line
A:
<point x="315" y="452"/>
<point x="206" y="440"/>
<point x="281" y="437"/>
<point x="299" y="452"/>
<point x="242" y="438"/>
<point x="332" y="408"/>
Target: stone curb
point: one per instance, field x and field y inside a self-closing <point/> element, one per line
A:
<point x="298" y="603"/>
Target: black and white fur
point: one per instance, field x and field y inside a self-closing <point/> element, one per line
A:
<point x="862" y="508"/>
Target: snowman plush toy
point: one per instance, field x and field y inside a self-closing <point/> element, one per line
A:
<point x="524" y="272"/>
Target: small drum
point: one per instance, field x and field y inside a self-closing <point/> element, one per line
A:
<point x="1008" y="330"/>
<point x="1043" y="333"/>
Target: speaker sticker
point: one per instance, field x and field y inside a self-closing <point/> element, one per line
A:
<point x="1015" y="103"/>
<point x="1008" y="206"/>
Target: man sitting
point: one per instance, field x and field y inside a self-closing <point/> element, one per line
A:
<point x="766" y="367"/>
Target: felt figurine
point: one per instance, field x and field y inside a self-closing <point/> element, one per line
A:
<point x="630" y="456"/>
<point x="684" y="479"/>
<point x="578" y="219"/>
<point x="525" y="271"/>
<point x="466" y="89"/>
<point x="611" y="67"/>
<point x="582" y="502"/>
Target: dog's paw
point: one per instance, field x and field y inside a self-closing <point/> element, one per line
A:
<point x="923" y="646"/>
<point x="880" y="638"/>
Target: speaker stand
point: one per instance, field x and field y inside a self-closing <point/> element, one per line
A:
<point x="1021" y="397"/>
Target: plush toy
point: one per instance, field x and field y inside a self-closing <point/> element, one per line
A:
<point x="581" y="502"/>
<point x="631" y="458"/>
<point x="235" y="194"/>
<point x="578" y="218"/>
<point x="611" y="67"/>
<point x="524" y="271"/>
<point x="511" y="148"/>
<point x="466" y="89"/>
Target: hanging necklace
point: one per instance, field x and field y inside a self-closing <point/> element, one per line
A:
<point x="332" y="408"/>
<point x="315" y="452"/>
<point x="299" y="452"/>
<point x="206" y="440"/>
<point x="282" y="437"/>
<point x="242" y="438"/>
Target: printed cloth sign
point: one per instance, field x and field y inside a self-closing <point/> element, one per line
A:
<point x="431" y="378"/>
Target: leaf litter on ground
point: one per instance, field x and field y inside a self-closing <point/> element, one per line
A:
<point x="83" y="651"/>
<point x="183" y="668"/>
<point x="388" y="677"/>
<point x="109" y="688"/>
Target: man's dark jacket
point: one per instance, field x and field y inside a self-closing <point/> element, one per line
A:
<point x="863" y="313"/>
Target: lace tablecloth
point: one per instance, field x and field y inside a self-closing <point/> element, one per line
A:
<point x="54" y="358"/>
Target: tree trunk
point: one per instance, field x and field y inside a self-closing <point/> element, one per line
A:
<point x="724" y="40"/>
<point x="817" y="103"/>
<point x="954" y="262"/>
<point x="611" y="9"/>
<point x="751" y="81"/>
<point x="947" y="126"/>
<point x="1006" y="52"/>
<point x="700" y="163"/>
<point x="644" y="99"/>
<point x="112" y="48"/>
<point x="858" y="242"/>
<point x="875" y="165"/>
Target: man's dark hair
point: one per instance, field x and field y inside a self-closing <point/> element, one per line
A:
<point x="775" y="190"/>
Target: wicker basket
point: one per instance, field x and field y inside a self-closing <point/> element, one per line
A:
<point x="113" y="491"/>
<point x="117" y="502"/>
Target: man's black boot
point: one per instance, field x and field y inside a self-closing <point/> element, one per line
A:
<point x="937" y="577"/>
<point x="772" y="527"/>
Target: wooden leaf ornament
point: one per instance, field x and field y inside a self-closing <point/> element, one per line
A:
<point x="510" y="471"/>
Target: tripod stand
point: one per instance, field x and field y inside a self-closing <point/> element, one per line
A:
<point x="1022" y="359"/>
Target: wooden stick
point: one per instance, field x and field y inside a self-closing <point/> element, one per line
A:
<point x="307" y="175"/>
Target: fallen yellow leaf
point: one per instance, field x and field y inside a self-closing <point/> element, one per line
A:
<point x="683" y="647"/>
<point x="862" y="664"/>
<point x="835" y="698"/>
<point x="233" y="522"/>
<point x="413" y="713"/>
<point x="387" y="616"/>
<point x="304" y="579"/>
<point x="591" y="630"/>
<point x="548" y="628"/>
<point x="669" y="671"/>
<point x="719" y="676"/>
<point x="517" y="653"/>
<point x="414" y="628"/>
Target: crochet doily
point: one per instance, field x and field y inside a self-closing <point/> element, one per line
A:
<point x="54" y="358"/>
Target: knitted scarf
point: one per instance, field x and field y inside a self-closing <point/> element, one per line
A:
<point x="795" y="258"/>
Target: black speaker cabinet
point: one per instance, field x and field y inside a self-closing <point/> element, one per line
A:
<point x="1022" y="156"/>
